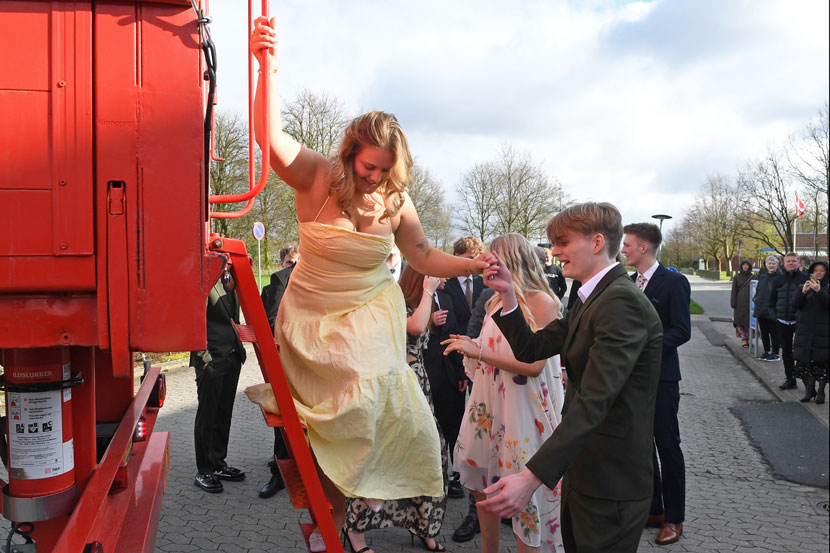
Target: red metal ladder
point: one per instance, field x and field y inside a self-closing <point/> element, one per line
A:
<point x="299" y="471"/>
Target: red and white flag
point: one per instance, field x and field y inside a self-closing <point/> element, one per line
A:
<point x="799" y="207"/>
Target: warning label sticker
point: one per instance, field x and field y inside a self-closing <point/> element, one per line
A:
<point x="36" y="448"/>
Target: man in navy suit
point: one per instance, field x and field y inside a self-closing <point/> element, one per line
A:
<point x="669" y="293"/>
<point x="464" y="292"/>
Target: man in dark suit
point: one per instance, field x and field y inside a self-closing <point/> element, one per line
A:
<point x="447" y="380"/>
<point x="217" y="374"/>
<point x="464" y="292"/>
<point x="669" y="293"/>
<point x="611" y="343"/>
<point x="271" y="297"/>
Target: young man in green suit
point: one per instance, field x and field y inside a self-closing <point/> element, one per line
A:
<point x="611" y="344"/>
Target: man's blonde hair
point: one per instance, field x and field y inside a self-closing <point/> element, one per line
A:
<point x="467" y="244"/>
<point x="587" y="219"/>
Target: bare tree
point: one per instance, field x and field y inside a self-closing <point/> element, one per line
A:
<point x="809" y="161"/>
<point x="680" y="248"/>
<point x="230" y="176"/>
<point x="478" y="200"/>
<point x="427" y="195"/>
<point x="510" y="194"/>
<point x="765" y="185"/>
<point x="316" y="121"/>
<point x="715" y="219"/>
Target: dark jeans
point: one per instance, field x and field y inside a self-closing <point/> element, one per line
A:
<point x="669" y="493"/>
<point x="216" y="391"/>
<point x="769" y="335"/>
<point x="786" y="334"/>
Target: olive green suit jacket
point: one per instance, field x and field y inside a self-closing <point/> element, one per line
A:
<point x="612" y="349"/>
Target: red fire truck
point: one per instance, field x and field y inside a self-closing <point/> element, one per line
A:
<point x="105" y="249"/>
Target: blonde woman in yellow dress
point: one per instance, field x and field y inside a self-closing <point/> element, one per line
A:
<point x="341" y="324"/>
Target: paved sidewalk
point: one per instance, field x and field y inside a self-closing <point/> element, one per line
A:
<point x="734" y="503"/>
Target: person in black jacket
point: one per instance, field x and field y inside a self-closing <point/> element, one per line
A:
<point x="217" y="374"/>
<point x="763" y="313"/>
<point x="271" y="297"/>
<point x="812" y="336"/>
<point x="782" y="298"/>
<point x="739" y="301"/>
<point x="556" y="280"/>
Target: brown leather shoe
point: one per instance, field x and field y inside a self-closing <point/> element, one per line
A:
<point x="669" y="533"/>
<point x="655" y="521"/>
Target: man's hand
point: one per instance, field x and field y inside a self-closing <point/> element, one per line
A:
<point x="514" y="494"/>
<point x="497" y="276"/>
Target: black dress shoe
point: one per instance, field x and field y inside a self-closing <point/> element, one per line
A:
<point x="274" y="485"/>
<point x="209" y="483"/>
<point x="230" y="474"/>
<point x="788" y="384"/>
<point x="455" y="489"/>
<point x="467" y="529"/>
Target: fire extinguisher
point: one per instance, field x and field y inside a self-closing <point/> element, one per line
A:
<point x="41" y="460"/>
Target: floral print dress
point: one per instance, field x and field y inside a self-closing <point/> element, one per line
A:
<point x="507" y="418"/>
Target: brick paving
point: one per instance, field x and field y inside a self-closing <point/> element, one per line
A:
<point x="733" y="501"/>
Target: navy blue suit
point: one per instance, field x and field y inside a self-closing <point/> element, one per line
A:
<point x="459" y="299"/>
<point x="669" y="293"/>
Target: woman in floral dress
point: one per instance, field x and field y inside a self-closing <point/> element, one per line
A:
<point x="513" y="407"/>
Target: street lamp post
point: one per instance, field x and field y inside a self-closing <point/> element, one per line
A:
<point x="662" y="218"/>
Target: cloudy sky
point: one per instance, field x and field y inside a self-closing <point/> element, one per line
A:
<point x="629" y="102"/>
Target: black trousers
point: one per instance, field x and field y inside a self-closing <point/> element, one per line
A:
<point x="216" y="391"/>
<point x="769" y="335"/>
<point x="669" y="495"/>
<point x="280" y="451"/>
<point x="593" y="525"/>
<point x="786" y="334"/>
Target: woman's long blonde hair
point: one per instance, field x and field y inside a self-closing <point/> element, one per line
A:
<point x="380" y="130"/>
<point x="519" y="256"/>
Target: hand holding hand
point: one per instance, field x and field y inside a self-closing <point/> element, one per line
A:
<point x="479" y="263"/>
<point x="264" y="36"/>
<point x="497" y="275"/>
<point x="463" y="345"/>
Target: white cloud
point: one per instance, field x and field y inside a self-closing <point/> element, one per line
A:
<point x="633" y="103"/>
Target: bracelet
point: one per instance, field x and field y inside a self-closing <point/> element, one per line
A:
<point x="480" y="351"/>
<point x="428" y="292"/>
<point x="271" y="71"/>
<point x="469" y="272"/>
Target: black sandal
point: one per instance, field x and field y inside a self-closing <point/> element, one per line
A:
<point x="347" y="539"/>
<point x="438" y="546"/>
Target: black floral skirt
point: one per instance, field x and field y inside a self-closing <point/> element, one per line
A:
<point x="816" y="369"/>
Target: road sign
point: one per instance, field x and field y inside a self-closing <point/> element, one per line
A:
<point x="259" y="230"/>
<point x="767" y="249"/>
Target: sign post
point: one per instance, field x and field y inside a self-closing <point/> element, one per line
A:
<point x="753" y="322"/>
<point x="259" y="234"/>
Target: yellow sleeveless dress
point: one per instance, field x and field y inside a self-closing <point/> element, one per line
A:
<point x="342" y="334"/>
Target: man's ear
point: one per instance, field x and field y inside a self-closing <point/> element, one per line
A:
<point x="599" y="243"/>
